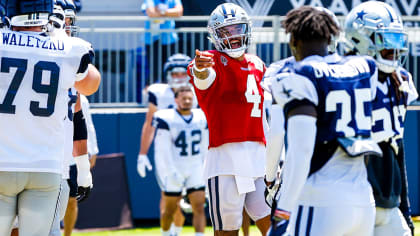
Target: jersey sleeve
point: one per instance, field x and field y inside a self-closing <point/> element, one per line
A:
<point x="152" y="95"/>
<point x="159" y="123"/>
<point x="408" y="85"/>
<point x="157" y="93"/>
<point x="291" y="90"/>
<point x="86" y="53"/>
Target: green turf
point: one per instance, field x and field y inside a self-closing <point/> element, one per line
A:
<point x="187" y="231"/>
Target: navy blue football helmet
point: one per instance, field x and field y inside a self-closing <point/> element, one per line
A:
<point x="177" y="63"/>
<point x="28" y="12"/>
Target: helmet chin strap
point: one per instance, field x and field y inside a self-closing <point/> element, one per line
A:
<point x="386" y="66"/>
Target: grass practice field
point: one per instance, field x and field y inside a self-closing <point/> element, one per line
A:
<point x="187" y="231"/>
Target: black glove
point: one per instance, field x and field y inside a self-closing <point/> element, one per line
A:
<point x="409" y="223"/>
<point x="82" y="193"/>
<point x="270" y="193"/>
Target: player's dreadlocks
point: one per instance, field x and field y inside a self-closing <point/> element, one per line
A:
<point x="309" y="24"/>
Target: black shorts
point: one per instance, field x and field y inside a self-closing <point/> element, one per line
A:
<point x="72" y="181"/>
<point x="79" y="126"/>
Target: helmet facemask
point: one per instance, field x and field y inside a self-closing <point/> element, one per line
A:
<point x="177" y="77"/>
<point x="71" y="28"/>
<point x="232" y="39"/>
<point x="56" y="20"/>
<point x="391" y="49"/>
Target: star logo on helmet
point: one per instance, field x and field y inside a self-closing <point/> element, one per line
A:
<point x="361" y="14"/>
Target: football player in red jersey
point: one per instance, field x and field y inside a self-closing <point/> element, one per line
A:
<point x="227" y="85"/>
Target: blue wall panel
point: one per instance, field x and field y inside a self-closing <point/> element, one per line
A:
<point x="107" y="127"/>
<point x="144" y="192"/>
<point x="120" y="132"/>
<point x="411" y="142"/>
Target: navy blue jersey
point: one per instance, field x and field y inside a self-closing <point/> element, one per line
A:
<point x="340" y="89"/>
<point x="389" y="109"/>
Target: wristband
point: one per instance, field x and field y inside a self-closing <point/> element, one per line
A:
<point x="280" y="214"/>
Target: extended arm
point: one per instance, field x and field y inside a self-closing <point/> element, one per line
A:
<point x="301" y="135"/>
<point x="145" y="141"/>
<point x="275" y="142"/>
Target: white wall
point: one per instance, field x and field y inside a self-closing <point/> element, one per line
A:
<point x="111" y="7"/>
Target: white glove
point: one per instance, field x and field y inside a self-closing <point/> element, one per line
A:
<point x="84" y="177"/>
<point x="143" y="163"/>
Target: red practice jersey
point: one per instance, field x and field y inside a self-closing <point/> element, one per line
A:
<point x="233" y="104"/>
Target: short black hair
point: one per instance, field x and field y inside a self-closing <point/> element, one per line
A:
<point x="307" y="23"/>
<point x="182" y="89"/>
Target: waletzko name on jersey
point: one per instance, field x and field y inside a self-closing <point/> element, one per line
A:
<point x="350" y="69"/>
<point x="32" y="41"/>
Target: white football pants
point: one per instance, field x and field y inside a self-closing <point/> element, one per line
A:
<point x="332" y="221"/>
<point x="63" y="199"/>
<point x="390" y="222"/>
<point x="33" y="197"/>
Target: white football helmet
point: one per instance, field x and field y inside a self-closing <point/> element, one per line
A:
<point x="177" y="64"/>
<point x="374" y="26"/>
<point x="332" y="47"/>
<point x="229" y="28"/>
<point x="70" y="13"/>
<point x="57" y="22"/>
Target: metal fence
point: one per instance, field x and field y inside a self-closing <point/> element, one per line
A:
<point x="128" y="65"/>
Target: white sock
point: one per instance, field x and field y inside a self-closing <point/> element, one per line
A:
<point x="199" y="234"/>
<point x="165" y="233"/>
<point x="177" y="230"/>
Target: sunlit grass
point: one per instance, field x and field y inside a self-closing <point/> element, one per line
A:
<point x="187" y="231"/>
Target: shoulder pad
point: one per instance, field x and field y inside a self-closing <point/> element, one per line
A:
<point x="259" y="64"/>
<point x="404" y="72"/>
<point x="276" y="68"/>
<point x="287" y="87"/>
<point x="157" y="88"/>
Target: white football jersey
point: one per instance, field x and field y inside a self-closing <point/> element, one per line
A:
<point x="36" y="73"/>
<point x="163" y="97"/>
<point x="179" y="139"/>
